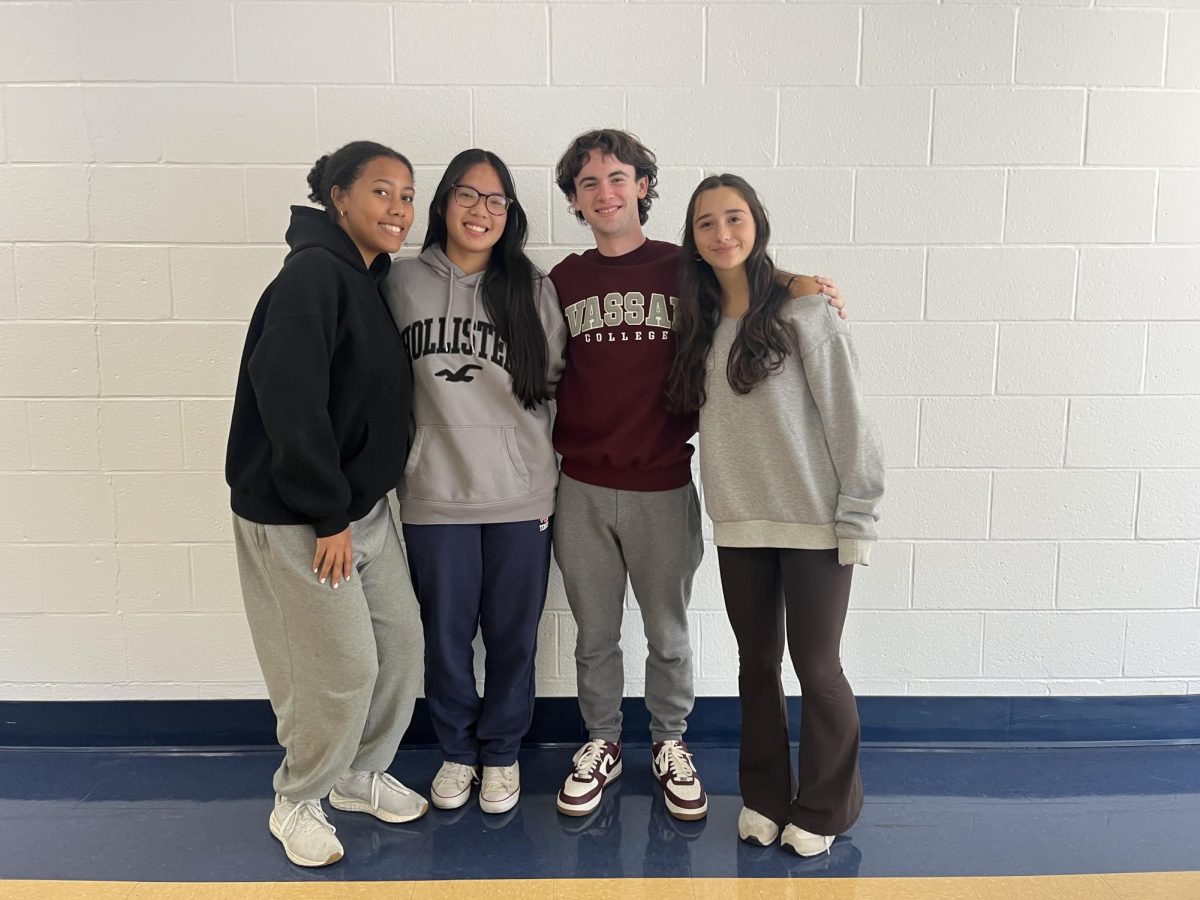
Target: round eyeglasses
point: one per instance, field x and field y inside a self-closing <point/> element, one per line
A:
<point x="467" y="196"/>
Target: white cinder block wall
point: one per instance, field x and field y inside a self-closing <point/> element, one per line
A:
<point x="1008" y="194"/>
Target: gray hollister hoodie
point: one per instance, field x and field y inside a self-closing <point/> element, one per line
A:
<point x="478" y="455"/>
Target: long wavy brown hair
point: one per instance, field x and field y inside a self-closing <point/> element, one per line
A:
<point x="763" y="339"/>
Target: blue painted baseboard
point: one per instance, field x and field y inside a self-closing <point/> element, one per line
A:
<point x="920" y="721"/>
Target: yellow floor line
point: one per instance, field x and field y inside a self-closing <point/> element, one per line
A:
<point x="1138" y="886"/>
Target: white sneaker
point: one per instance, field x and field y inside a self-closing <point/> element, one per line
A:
<point x="501" y="788"/>
<point x="755" y="828"/>
<point x="378" y="794"/>
<point x="676" y="773"/>
<point x="805" y="843"/>
<point x="452" y="785"/>
<point x="307" y="837"/>
<point x="593" y="766"/>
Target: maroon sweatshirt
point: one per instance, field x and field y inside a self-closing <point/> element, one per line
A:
<point x="612" y="427"/>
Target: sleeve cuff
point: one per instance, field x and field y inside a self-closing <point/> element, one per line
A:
<point x="331" y="525"/>
<point x="854" y="552"/>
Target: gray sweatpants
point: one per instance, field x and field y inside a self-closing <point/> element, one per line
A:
<point x="342" y="667"/>
<point x="600" y="536"/>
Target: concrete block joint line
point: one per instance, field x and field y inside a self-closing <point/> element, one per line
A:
<point x="1012" y="214"/>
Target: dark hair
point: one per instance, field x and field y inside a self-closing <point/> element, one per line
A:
<point x="763" y="338"/>
<point x="508" y="284"/>
<point x="342" y="167"/>
<point x="610" y="142"/>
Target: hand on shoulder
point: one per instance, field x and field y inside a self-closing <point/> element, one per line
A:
<point x="801" y="285"/>
<point x="805" y="286"/>
<point x="809" y="285"/>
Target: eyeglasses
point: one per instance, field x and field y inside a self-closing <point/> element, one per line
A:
<point x="466" y="196"/>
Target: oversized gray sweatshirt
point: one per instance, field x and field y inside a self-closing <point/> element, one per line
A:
<point x="478" y="456"/>
<point x="795" y="463"/>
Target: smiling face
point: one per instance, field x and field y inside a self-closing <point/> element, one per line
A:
<point x="723" y="228"/>
<point x="376" y="210"/>
<point x="607" y="193"/>
<point x="472" y="233"/>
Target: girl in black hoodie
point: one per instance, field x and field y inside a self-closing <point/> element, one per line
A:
<point x="319" y="435"/>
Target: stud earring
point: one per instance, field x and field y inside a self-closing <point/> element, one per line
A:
<point x="342" y="213"/>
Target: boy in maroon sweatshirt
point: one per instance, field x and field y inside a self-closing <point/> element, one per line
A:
<point x="626" y="505"/>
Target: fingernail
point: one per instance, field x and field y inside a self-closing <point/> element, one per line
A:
<point x="322" y="581"/>
<point x="335" y="586"/>
<point x="314" y="571"/>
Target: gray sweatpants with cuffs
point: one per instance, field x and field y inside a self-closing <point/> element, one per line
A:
<point x="602" y="535"/>
<point x="342" y="667"/>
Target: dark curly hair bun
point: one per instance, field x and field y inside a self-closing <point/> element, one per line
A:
<point x="342" y="168"/>
<point x="314" y="180"/>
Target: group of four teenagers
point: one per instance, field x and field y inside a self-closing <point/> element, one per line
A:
<point x="433" y="376"/>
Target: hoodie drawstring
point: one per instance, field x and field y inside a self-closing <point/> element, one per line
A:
<point x="474" y="312"/>
<point x="450" y="282"/>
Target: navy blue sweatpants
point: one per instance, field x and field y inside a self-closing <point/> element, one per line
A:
<point x="491" y="578"/>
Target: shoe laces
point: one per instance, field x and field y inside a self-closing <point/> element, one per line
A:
<point x="589" y="758"/>
<point x="315" y="818"/>
<point x="502" y="777"/>
<point x="456" y="775"/>
<point x="675" y="759"/>
<point x="383" y="779"/>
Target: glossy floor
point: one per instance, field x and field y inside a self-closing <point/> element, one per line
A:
<point x="1160" y="886"/>
<point x="109" y="816"/>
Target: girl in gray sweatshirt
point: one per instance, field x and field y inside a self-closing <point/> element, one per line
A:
<point x="792" y="473"/>
<point x="485" y="334"/>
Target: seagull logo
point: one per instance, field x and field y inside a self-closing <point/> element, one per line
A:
<point x="463" y="374"/>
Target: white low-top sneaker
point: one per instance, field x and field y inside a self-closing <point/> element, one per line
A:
<point x="307" y="837"/>
<point x="378" y="794"/>
<point x="676" y="772"/>
<point x="501" y="788"/>
<point x="755" y="828"/>
<point x="594" y="765"/>
<point x="805" y="843"/>
<point x="452" y="785"/>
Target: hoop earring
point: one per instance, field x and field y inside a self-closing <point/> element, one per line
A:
<point x="342" y="213"/>
<point x="698" y="257"/>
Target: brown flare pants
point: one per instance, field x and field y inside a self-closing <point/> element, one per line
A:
<point x="803" y="594"/>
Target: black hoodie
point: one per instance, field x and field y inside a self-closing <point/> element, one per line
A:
<point x="321" y="416"/>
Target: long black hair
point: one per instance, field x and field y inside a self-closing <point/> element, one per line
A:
<point x="509" y="281"/>
<point x="763" y="339"/>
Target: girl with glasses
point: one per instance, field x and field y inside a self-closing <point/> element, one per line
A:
<point x="793" y="476"/>
<point x="483" y="329"/>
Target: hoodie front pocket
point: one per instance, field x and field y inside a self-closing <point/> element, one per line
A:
<point x="379" y="457"/>
<point x="465" y="464"/>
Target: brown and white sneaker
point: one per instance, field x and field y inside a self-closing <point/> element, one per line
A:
<point x="676" y="773"/>
<point x="596" y="764"/>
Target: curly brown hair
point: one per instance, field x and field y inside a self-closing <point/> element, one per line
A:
<point x="764" y="338"/>
<point x="610" y="142"/>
